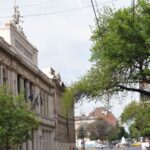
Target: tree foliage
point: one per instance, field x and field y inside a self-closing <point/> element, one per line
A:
<point x="99" y="129"/>
<point x="134" y="133"/>
<point x="137" y="115"/>
<point x="120" y="54"/>
<point x="116" y="133"/>
<point x="17" y="122"/>
<point x="82" y="132"/>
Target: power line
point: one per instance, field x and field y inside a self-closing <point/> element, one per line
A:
<point x="60" y="12"/>
<point x="66" y="11"/>
<point x="36" y="4"/>
<point x="57" y="12"/>
<point x="30" y="5"/>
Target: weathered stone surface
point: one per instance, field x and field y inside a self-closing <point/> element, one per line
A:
<point x="19" y="70"/>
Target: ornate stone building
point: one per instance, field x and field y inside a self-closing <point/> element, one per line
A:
<point x="19" y="70"/>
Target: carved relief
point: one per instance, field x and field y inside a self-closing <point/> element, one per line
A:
<point x="13" y="64"/>
<point x="22" y="49"/>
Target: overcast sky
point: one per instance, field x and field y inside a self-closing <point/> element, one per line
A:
<point x="60" y="29"/>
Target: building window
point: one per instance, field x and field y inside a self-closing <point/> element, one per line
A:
<point x="25" y="89"/>
<point x="4" y="77"/>
<point x="41" y="102"/>
<point x="19" y="83"/>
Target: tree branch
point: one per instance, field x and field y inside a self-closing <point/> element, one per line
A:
<point x="134" y="90"/>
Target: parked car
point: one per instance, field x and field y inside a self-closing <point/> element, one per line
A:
<point x="136" y="144"/>
<point x="100" y="146"/>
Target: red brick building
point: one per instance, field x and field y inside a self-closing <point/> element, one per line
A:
<point x="102" y="113"/>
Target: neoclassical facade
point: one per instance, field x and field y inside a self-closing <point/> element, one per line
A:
<point x="19" y="71"/>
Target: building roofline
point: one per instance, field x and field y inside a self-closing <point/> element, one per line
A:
<point x="34" y="69"/>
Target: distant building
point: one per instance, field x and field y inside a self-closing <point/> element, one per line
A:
<point x="97" y="113"/>
<point x="102" y="113"/>
<point x="19" y="70"/>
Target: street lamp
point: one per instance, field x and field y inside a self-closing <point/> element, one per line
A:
<point x="83" y="136"/>
<point x="83" y="133"/>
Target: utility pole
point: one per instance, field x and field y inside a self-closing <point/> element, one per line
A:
<point x="95" y="12"/>
<point x="83" y="133"/>
<point x="97" y="22"/>
<point x="14" y="3"/>
<point x="96" y="4"/>
<point x="83" y="141"/>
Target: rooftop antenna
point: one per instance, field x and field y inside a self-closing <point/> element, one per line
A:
<point x="16" y="16"/>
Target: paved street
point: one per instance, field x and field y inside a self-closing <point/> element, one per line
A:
<point x="130" y="148"/>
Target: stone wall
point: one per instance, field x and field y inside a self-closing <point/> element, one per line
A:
<point x="43" y="94"/>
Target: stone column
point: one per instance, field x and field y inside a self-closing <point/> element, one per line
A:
<point x="38" y="139"/>
<point x="52" y="139"/>
<point x="53" y="106"/>
<point x="29" y="145"/>
<point x="9" y="79"/>
<point x="22" y="84"/>
<point x="48" y="141"/>
<point x="35" y="140"/>
<point x="28" y="89"/>
<point x="43" y="140"/>
<point x="43" y="103"/>
<point x="24" y="146"/>
<point x="46" y="105"/>
<point x="49" y="107"/>
<point x="1" y="75"/>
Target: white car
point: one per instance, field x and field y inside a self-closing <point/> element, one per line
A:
<point x="100" y="146"/>
<point x="145" y="145"/>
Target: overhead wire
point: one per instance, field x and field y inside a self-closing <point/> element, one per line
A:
<point x="63" y="11"/>
<point x="67" y="11"/>
<point x="30" y="5"/>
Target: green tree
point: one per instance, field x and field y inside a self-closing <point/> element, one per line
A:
<point x="122" y="133"/>
<point x="120" y="54"/>
<point x="113" y="134"/>
<point x="117" y="132"/>
<point x="17" y="122"/>
<point x="99" y="129"/>
<point x="134" y="133"/>
<point x="137" y="115"/>
<point x="82" y="133"/>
